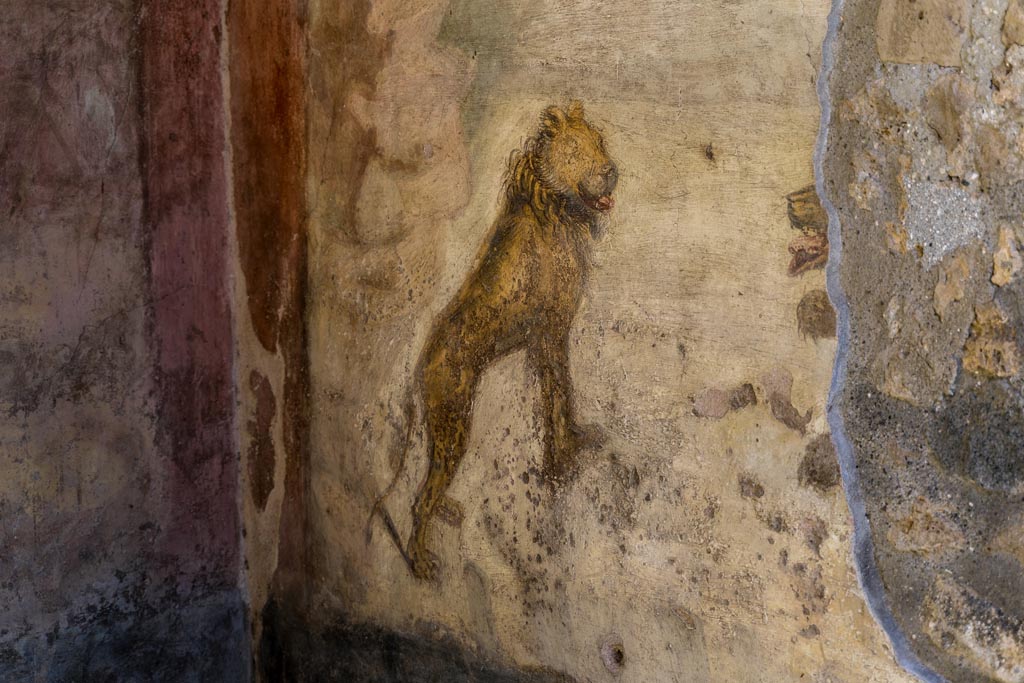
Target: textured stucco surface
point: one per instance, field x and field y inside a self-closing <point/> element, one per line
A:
<point x="118" y="514"/>
<point x="74" y="346"/>
<point x="923" y="165"/>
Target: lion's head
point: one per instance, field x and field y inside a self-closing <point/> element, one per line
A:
<point x="566" y="166"/>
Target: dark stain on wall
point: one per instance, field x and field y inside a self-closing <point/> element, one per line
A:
<point x="142" y="637"/>
<point x="262" y="457"/>
<point x="294" y="650"/>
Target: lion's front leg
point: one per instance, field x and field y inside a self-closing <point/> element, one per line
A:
<point x="563" y="437"/>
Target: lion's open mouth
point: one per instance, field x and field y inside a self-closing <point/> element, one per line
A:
<point x="604" y="203"/>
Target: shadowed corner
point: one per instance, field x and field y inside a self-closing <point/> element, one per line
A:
<point x="293" y="649"/>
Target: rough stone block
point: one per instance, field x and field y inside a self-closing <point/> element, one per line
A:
<point x="947" y="101"/>
<point x="1006" y="262"/>
<point x="1013" y="24"/>
<point x="991" y="350"/>
<point x="958" y="619"/>
<point x="921" y="31"/>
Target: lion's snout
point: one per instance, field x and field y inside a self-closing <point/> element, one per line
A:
<point x="597" y="191"/>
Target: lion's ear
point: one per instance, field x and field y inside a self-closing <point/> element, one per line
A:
<point x="576" y="109"/>
<point x="553" y="120"/>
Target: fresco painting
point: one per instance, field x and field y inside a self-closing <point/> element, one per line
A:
<point x="524" y="341"/>
<point x="522" y="294"/>
<point x="576" y="395"/>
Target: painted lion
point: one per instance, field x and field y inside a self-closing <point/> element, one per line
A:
<point x="523" y="294"/>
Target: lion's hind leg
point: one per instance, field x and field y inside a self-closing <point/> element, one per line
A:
<point x="432" y="501"/>
<point x="448" y="404"/>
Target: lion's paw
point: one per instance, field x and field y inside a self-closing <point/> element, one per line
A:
<point x="423" y="563"/>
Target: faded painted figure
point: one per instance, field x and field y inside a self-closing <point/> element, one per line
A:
<point x="523" y="294"/>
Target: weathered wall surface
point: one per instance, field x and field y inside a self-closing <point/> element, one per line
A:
<point x="118" y="508"/>
<point x="149" y="407"/>
<point x="268" y="115"/>
<point x="708" y="538"/>
<point x="926" y="171"/>
<point x="266" y="50"/>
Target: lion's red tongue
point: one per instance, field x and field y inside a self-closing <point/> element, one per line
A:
<point x="605" y="203"/>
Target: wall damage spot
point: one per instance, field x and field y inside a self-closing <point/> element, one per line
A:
<point x="819" y="467"/>
<point x="810" y="250"/>
<point x="815" y="316"/>
<point x="613" y="654"/>
<point x="778" y="386"/>
<point x="717" y="403"/>
<point x="1006" y="261"/>
<point x="261" y="456"/>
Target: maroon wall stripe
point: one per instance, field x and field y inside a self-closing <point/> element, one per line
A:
<point x="268" y="124"/>
<point x="183" y="144"/>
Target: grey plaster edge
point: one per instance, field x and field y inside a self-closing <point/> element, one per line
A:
<point x="863" y="547"/>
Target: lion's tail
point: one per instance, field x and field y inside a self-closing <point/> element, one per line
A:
<point x="378" y="508"/>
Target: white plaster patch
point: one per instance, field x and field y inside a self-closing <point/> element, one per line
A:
<point x="941" y="217"/>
